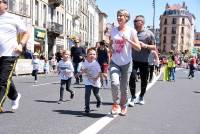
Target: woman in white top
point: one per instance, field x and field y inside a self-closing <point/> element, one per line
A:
<point x="123" y="39"/>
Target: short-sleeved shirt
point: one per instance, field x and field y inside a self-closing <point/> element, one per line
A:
<point x="122" y="49"/>
<point x="10" y="26"/>
<point x="147" y="37"/>
<point x="92" y="71"/>
<point x="66" y="69"/>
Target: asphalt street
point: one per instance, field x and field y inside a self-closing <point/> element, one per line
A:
<point x="171" y="108"/>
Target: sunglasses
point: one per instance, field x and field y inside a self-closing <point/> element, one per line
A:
<point x="137" y="20"/>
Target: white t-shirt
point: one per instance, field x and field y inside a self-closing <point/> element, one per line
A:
<point x="92" y="71"/>
<point x="10" y="26"/>
<point x="66" y="69"/>
<point x="122" y="50"/>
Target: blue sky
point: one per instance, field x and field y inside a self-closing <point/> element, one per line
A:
<point x="144" y="7"/>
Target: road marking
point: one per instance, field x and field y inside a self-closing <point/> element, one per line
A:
<point x="101" y="123"/>
<point x="36" y="85"/>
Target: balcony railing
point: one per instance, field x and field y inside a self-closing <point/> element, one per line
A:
<point x="55" y="3"/>
<point x="55" y="28"/>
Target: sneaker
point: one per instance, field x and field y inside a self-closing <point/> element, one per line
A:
<point x="123" y="111"/>
<point x="76" y="83"/>
<point x="60" y="101"/>
<point x="72" y="95"/>
<point x="141" y="101"/>
<point x="98" y="104"/>
<point x="35" y="81"/>
<point x="15" y="103"/>
<point x="115" y="109"/>
<point x="132" y="102"/>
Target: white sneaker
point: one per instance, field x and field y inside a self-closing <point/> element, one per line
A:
<point x="141" y="101"/>
<point x="132" y="102"/>
<point x="15" y="103"/>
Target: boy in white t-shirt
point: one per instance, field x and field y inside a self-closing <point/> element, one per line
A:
<point x="36" y="64"/>
<point x="66" y="70"/>
<point x="92" y="71"/>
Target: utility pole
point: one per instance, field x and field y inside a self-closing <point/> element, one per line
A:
<point x="153" y="4"/>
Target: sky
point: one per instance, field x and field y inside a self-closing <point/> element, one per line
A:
<point x="144" y="7"/>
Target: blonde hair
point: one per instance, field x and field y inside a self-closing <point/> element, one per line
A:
<point x="125" y="13"/>
<point x="66" y="52"/>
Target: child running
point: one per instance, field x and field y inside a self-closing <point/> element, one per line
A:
<point x="66" y="70"/>
<point x="92" y="71"/>
<point x="36" y="64"/>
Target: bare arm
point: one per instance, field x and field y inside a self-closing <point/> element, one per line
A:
<point x="133" y="41"/>
<point x="23" y="41"/>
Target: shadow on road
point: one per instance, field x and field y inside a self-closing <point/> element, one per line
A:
<point x="47" y="101"/>
<point x="7" y="112"/>
<point x="197" y="92"/>
<point x="80" y="113"/>
<point x="26" y="82"/>
<point x="103" y="103"/>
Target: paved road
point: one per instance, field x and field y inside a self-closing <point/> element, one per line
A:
<point x="171" y="108"/>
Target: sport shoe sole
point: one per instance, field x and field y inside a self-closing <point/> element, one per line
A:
<point x="15" y="103"/>
<point x="116" y="111"/>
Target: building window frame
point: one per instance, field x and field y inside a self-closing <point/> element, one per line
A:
<point x="174" y="20"/>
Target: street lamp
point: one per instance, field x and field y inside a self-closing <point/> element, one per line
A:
<point x="153" y="4"/>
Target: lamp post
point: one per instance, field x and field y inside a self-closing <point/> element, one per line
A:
<point x="153" y="4"/>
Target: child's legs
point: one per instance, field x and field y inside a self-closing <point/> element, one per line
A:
<point x="36" y="73"/>
<point x="68" y="84"/>
<point x="96" y="94"/>
<point x="62" y="85"/>
<point x="88" y="89"/>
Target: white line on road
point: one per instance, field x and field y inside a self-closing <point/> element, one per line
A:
<point x="101" y="123"/>
<point x="36" y="85"/>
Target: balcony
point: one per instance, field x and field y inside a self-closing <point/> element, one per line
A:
<point x="55" y="3"/>
<point x="54" y="29"/>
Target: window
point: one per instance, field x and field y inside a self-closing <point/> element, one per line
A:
<point x="173" y="30"/>
<point x="164" y="39"/>
<point x="183" y="21"/>
<point x="174" y="21"/>
<point x="36" y="13"/>
<point x="173" y="39"/>
<point x="165" y="31"/>
<point x="57" y="17"/>
<point x="182" y="30"/>
<point x="182" y="40"/>
<point x="44" y="15"/>
<point x="11" y="5"/>
<point x="165" y="22"/>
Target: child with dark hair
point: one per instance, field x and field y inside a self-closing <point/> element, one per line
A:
<point x="92" y="71"/>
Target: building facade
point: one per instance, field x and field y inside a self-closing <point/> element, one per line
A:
<point x="52" y="23"/>
<point x="176" y="28"/>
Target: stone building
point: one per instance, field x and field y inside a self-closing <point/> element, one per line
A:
<point x="176" y="28"/>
